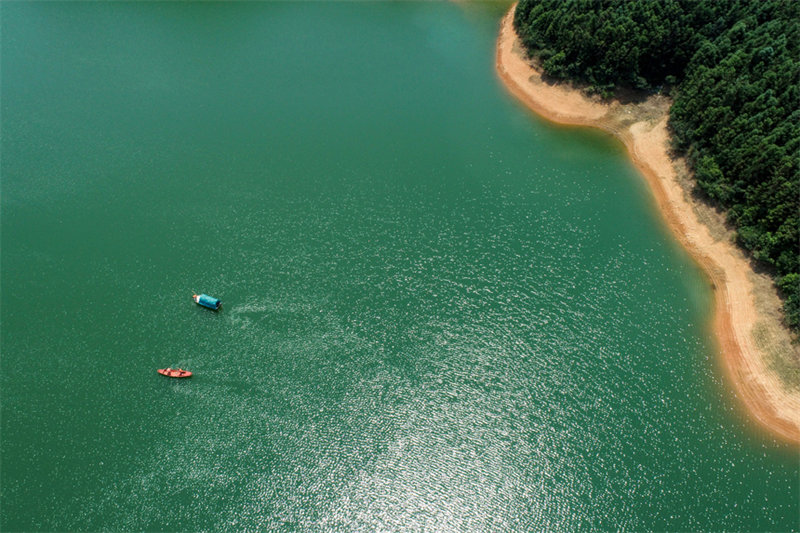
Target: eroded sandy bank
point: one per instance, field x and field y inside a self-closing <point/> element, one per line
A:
<point x="747" y="327"/>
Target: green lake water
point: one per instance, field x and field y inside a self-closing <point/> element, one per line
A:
<point x="439" y="312"/>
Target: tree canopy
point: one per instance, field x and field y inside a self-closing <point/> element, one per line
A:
<point x="734" y="71"/>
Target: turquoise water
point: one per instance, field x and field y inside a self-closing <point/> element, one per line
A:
<point x="439" y="313"/>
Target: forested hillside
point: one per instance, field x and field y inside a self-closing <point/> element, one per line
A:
<point x="733" y="68"/>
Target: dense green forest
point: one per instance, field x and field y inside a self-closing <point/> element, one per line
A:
<point x="733" y="69"/>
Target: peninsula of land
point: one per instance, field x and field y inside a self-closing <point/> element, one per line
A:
<point x="756" y="349"/>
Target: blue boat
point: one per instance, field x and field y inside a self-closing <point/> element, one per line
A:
<point x="207" y="301"/>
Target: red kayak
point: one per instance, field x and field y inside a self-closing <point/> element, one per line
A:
<point x="174" y="372"/>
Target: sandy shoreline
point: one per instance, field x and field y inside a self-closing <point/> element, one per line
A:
<point x="643" y="129"/>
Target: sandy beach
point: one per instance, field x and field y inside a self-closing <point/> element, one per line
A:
<point x="756" y="350"/>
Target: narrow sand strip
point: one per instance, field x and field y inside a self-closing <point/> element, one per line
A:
<point x="643" y="129"/>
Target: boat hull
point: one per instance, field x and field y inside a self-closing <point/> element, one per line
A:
<point x="207" y="301"/>
<point x="174" y="372"/>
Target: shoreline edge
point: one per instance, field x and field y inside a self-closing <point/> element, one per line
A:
<point x="646" y="137"/>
